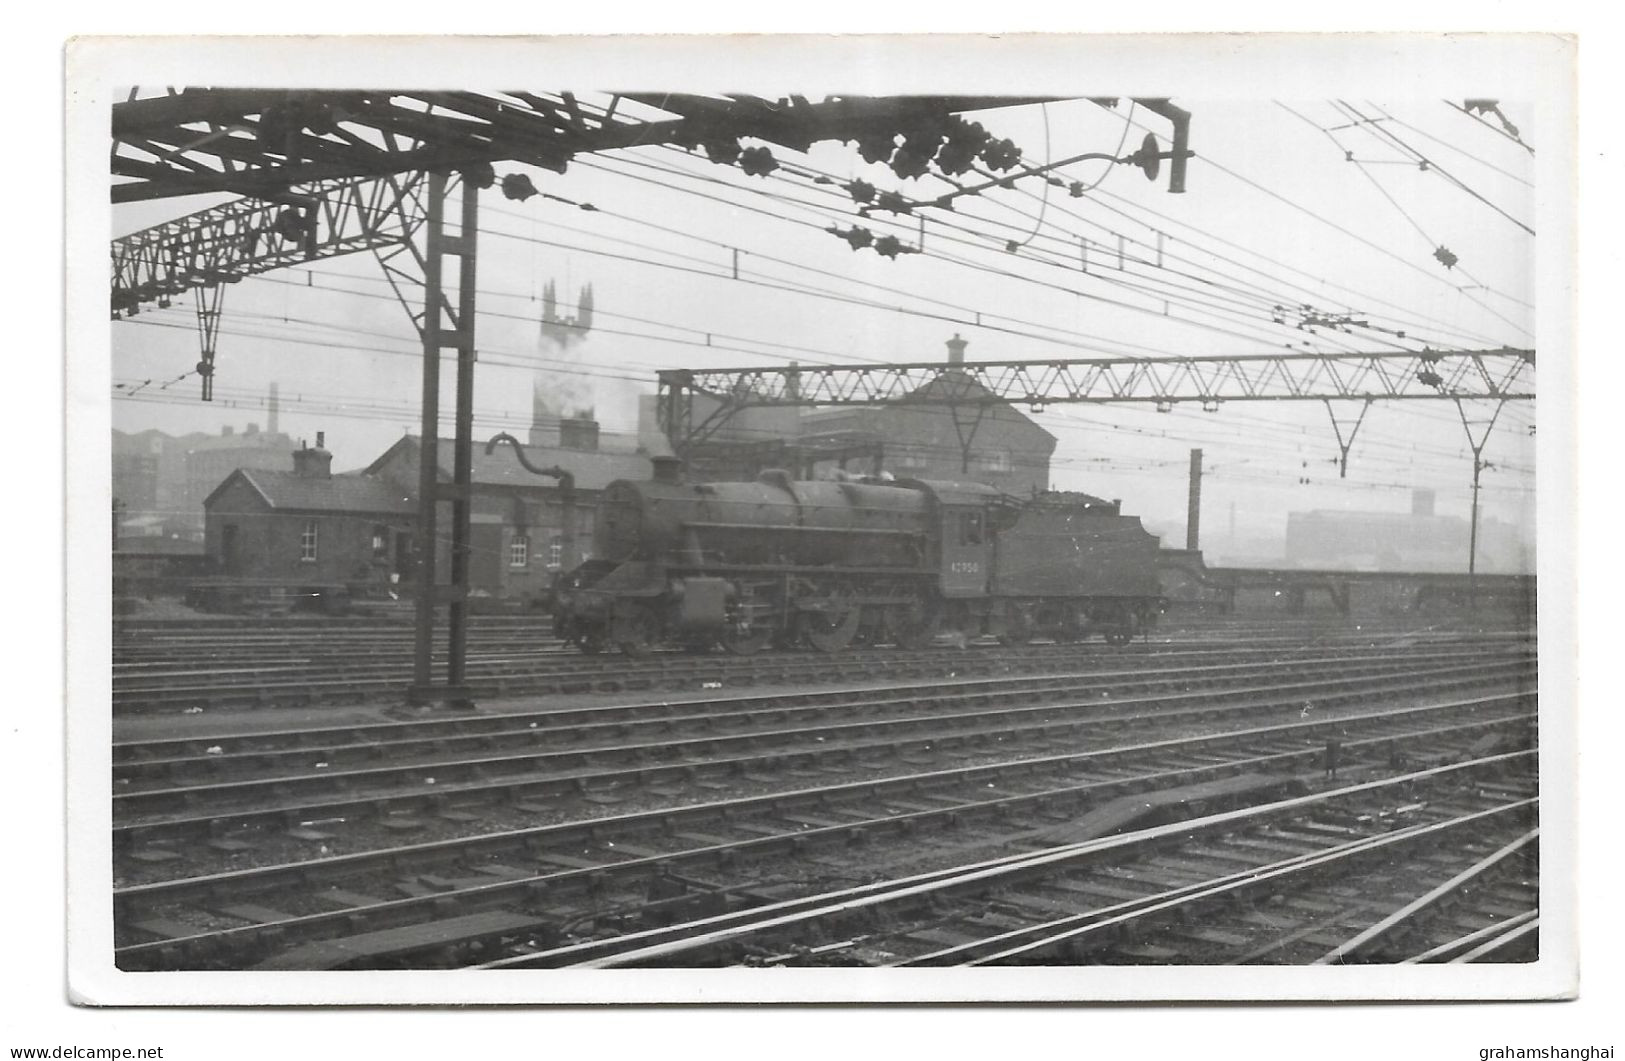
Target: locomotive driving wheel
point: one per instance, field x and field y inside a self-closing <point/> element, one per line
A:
<point x="1018" y="626"/>
<point x="912" y="626"/>
<point x="591" y="640"/>
<point x="636" y="633"/>
<point x="590" y="637"/>
<point x="831" y="630"/>
<point x="1119" y="627"/>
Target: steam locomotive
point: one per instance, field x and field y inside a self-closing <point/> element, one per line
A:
<point x="830" y="563"/>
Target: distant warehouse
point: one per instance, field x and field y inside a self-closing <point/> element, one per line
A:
<point x="1418" y="540"/>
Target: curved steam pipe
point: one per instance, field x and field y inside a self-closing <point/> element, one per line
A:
<point x="567" y="481"/>
<point x="567" y="491"/>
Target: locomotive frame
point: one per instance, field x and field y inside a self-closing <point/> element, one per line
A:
<point x="827" y="564"/>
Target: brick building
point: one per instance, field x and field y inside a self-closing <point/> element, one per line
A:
<point x="357" y="529"/>
<point x="979" y="438"/>
<point x="524" y="529"/>
<point x="308" y="526"/>
<point x="976" y="437"/>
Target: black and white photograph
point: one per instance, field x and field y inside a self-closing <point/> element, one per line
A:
<point x="887" y="519"/>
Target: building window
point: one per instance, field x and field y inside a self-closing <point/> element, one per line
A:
<point x="380" y="542"/>
<point x="555" y="555"/>
<point x="307" y="542"/>
<point x="992" y="461"/>
<point x="519" y="551"/>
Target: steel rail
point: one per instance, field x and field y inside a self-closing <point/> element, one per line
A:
<point x="334" y="868"/>
<point x="1499" y="942"/>
<point x="782" y="744"/>
<point x="1470" y="940"/>
<point x="1352" y="947"/>
<point x="645" y="947"/>
<point x="1069" y="930"/>
<point x="217" y="750"/>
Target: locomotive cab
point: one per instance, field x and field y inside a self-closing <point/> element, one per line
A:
<point x="965" y="517"/>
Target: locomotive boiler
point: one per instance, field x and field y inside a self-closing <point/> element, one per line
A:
<point x="829" y="563"/>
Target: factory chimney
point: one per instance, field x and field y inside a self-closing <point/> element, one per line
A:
<point x="271" y="411"/>
<point x="956" y="350"/>
<point x="1421" y="502"/>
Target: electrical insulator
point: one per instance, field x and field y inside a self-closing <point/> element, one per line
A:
<point x="858" y="236"/>
<point x="517" y="186"/>
<point x="894" y="202"/>
<point x="722" y="152"/>
<point x="1000" y="154"/>
<point x="956" y="157"/>
<point x="910" y="163"/>
<point x="878" y="147"/>
<point x="479" y="174"/>
<point x="1148" y="158"/>
<point x="1445" y="257"/>
<point x="757" y="161"/>
<point x="290" y="224"/>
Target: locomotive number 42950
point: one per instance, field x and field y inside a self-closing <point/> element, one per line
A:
<point x="966" y="567"/>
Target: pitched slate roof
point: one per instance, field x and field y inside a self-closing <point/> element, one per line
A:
<point x="341" y="493"/>
<point x="593" y="469"/>
<point x="965" y="389"/>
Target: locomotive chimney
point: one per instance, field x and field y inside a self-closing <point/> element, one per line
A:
<point x="667" y="469"/>
<point x="579" y="431"/>
<point x="956" y="350"/>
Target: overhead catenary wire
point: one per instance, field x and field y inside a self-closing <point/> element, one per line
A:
<point x="1373" y="128"/>
<point x="1255" y="442"/>
<point x="1033" y="324"/>
<point x="1156" y="298"/>
<point x="711" y="179"/>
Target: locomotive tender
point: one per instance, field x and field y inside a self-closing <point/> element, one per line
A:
<point x="832" y="563"/>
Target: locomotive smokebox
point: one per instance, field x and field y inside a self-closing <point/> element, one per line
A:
<point x="667" y="469"/>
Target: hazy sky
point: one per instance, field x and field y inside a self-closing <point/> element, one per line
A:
<point x="1275" y="214"/>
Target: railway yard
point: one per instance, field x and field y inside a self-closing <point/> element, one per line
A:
<point x="1236" y="789"/>
<point x="951" y="563"/>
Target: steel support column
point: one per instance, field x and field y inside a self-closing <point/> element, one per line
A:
<point x="443" y="327"/>
<point x="1477" y="444"/>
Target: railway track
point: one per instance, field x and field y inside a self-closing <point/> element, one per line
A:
<point x="634" y="853"/>
<point x="200" y="670"/>
<point x="366" y="771"/>
<point x="1313" y="873"/>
